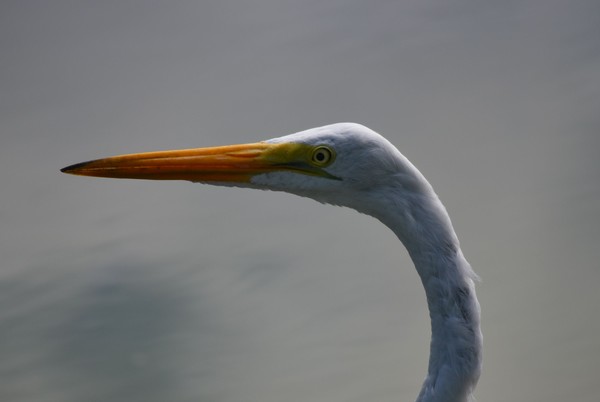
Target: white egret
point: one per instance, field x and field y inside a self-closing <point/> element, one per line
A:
<point x="350" y="165"/>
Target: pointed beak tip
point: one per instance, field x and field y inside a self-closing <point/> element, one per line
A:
<point x="72" y="169"/>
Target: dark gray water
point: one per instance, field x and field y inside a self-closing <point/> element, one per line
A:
<point x="146" y="291"/>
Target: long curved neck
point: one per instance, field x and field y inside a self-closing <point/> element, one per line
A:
<point x="422" y="224"/>
<point x="455" y="350"/>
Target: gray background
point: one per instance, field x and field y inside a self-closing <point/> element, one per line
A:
<point x="169" y="291"/>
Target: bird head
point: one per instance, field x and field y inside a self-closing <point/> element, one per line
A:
<point x="331" y="164"/>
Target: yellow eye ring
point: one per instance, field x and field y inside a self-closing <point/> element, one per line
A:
<point x="322" y="156"/>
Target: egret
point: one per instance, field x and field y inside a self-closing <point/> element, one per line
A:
<point x="349" y="165"/>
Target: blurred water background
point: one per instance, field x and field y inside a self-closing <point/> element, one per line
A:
<point x="169" y="291"/>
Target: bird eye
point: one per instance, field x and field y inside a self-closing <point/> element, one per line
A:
<point x="322" y="156"/>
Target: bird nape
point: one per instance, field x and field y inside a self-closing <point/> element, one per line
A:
<point x="349" y="165"/>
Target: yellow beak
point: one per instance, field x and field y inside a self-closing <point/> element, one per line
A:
<point x="231" y="163"/>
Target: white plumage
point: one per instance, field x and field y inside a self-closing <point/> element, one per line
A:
<point x="350" y="165"/>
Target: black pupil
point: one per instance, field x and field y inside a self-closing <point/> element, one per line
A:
<point x="320" y="156"/>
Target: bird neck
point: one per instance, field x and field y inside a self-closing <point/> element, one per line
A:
<point x="423" y="226"/>
<point x="455" y="349"/>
